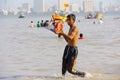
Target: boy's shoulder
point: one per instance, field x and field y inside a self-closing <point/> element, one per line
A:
<point x="75" y="28"/>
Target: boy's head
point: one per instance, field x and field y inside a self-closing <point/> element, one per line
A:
<point x="71" y="19"/>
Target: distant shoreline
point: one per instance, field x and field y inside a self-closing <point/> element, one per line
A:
<point x="50" y="13"/>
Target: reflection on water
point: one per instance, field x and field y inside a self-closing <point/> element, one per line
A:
<point x="25" y="52"/>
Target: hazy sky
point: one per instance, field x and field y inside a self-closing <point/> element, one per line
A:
<point x="14" y="4"/>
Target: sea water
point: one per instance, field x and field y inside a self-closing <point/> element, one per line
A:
<point x="36" y="53"/>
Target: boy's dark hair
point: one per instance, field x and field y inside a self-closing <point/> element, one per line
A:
<point x="72" y="16"/>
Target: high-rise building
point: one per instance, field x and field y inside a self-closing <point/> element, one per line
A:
<point x="74" y="8"/>
<point x="39" y="6"/>
<point x="88" y="5"/>
<point x="62" y="4"/>
<point x="54" y="8"/>
<point x="26" y="7"/>
<point x="101" y="6"/>
<point x="46" y="8"/>
<point x="3" y="4"/>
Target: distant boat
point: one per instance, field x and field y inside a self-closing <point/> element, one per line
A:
<point x="116" y="18"/>
<point x="89" y="16"/>
<point x="99" y="16"/>
<point x="21" y="15"/>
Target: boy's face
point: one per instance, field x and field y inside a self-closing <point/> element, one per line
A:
<point x="70" y="21"/>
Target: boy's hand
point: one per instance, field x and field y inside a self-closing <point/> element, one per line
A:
<point x="58" y="31"/>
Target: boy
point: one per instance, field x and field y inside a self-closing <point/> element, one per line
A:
<point x="71" y="50"/>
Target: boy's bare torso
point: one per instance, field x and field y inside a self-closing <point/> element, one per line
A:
<point x="73" y="30"/>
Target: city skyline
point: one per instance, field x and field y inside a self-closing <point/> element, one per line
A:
<point x="14" y="4"/>
<point x="41" y="6"/>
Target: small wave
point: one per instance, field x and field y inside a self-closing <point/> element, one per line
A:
<point x="96" y="76"/>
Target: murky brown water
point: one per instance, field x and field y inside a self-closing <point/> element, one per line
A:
<point x="36" y="53"/>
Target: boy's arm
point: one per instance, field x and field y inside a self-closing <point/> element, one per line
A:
<point x="65" y="38"/>
<point x="70" y="36"/>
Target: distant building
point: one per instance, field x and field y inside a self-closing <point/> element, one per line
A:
<point x="3" y="4"/>
<point x="46" y="8"/>
<point x="101" y="6"/>
<point x="39" y="6"/>
<point x="61" y="5"/>
<point x="88" y="5"/>
<point x="54" y="8"/>
<point x="26" y="7"/>
<point x="74" y="8"/>
<point x="50" y="9"/>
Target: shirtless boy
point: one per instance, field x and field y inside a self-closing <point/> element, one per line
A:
<point x="71" y="50"/>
